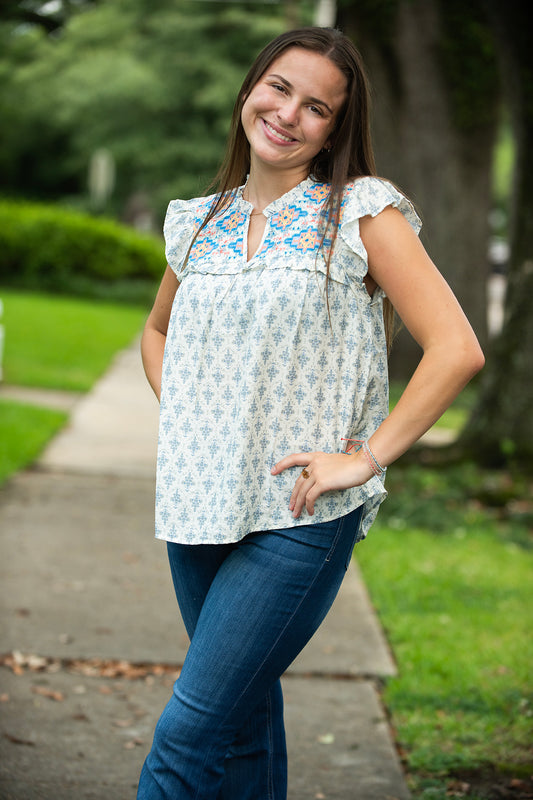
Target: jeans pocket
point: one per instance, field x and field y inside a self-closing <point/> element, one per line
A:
<point x="345" y="531"/>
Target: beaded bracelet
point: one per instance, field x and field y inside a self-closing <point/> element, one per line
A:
<point x="354" y="445"/>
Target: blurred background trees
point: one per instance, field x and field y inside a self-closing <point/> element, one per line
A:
<point x="451" y="81"/>
<point x="116" y="107"/>
<point x="437" y="113"/>
<point x="151" y="82"/>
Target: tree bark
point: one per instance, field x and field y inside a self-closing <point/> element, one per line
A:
<point x="500" y="430"/>
<point x="441" y="159"/>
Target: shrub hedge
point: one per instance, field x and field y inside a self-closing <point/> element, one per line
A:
<point x="55" y="249"/>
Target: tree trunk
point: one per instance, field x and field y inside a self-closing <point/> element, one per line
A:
<point x="426" y="142"/>
<point x="501" y="427"/>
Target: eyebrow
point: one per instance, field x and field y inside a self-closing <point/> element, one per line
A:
<point x="289" y="85"/>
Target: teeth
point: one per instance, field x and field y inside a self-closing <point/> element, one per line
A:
<point x="277" y="134"/>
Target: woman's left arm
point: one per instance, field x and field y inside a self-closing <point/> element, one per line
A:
<point x="451" y="356"/>
<point x="429" y="310"/>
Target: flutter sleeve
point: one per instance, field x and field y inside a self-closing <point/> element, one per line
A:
<point x="368" y="197"/>
<point x="179" y="228"/>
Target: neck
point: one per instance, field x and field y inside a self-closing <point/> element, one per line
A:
<point x="266" y="185"/>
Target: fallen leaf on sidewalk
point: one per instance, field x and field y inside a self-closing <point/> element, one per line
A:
<point x="122" y="723"/>
<point x="18" y="662"/>
<point x="90" y="667"/>
<point x="16" y="740"/>
<point x="50" y="693"/>
<point x="113" y="668"/>
<point x="133" y="743"/>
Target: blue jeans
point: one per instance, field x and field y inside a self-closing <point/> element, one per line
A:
<point x="249" y="609"/>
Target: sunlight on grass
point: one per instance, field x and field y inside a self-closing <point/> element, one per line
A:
<point x="63" y="343"/>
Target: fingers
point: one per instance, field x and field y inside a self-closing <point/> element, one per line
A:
<point x="322" y="472"/>
<point x="303" y="482"/>
<point x="305" y="493"/>
<point x="302" y="494"/>
<point x="294" y="460"/>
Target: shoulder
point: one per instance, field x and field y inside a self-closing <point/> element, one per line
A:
<point x="188" y="209"/>
<point x="183" y="218"/>
<point x="369" y="196"/>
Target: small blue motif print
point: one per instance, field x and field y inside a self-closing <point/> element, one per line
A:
<point x="257" y="366"/>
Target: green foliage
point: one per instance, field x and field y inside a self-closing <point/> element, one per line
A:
<point x="453" y="593"/>
<point x="154" y="84"/>
<point x="504" y="158"/>
<point x="55" y="249"/>
<point x="49" y="16"/>
<point x="457" y="498"/>
<point x="61" y="342"/>
<point x="24" y="431"/>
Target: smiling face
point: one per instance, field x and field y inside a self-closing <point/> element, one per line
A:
<point x="290" y="113"/>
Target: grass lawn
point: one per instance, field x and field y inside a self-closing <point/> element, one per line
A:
<point x="57" y="342"/>
<point x="54" y="342"/>
<point x="449" y="567"/>
<point x="24" y="431"/>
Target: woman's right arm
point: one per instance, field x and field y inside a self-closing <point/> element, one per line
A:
<point x="155" y="331"/>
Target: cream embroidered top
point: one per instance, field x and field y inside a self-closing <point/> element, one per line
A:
<point x="255" y="370"/>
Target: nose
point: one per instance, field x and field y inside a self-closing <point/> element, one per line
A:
<point x="288" y="113"/>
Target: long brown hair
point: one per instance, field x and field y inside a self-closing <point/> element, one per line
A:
<point x="351" y="155"/>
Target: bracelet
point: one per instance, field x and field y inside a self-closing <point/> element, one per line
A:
<point x="354" y="445"/>
<point x="376" y="467"/>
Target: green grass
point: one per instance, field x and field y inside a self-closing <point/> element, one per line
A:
<point x="504" y="159"/>
<point x="55" y="343"/>
<point x="63" y="343"/>
<point x="449" y="567"/>
<point x="24" y="432"/>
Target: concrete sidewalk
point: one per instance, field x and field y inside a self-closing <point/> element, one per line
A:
<point x="92" y="639"/>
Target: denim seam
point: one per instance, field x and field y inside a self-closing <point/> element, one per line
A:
<point x="356" y="539"/>
<point x="335" y="539"/>
<point x="270" y="775"/>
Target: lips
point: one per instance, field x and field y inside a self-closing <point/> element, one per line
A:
<point x="273" y="132"/>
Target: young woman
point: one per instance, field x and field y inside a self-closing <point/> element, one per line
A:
<point x="270" y="363"/>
